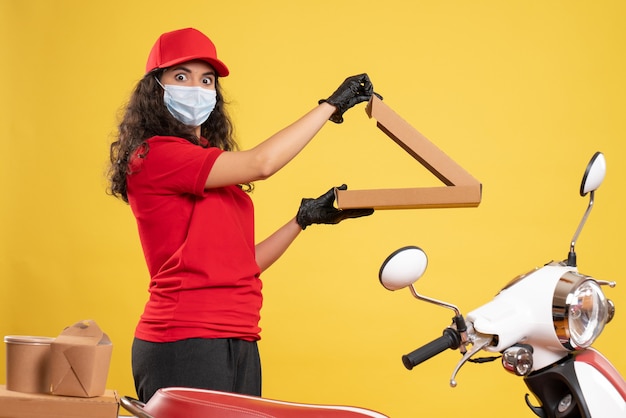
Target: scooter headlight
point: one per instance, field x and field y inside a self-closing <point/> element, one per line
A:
<point x="579" y="310"/>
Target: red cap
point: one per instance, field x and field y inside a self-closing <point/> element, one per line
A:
<point x="184" y="45"/>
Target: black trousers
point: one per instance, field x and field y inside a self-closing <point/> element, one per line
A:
<point x="228" y="365"/>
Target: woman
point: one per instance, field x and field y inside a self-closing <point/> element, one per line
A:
<point x="176" y="163"/>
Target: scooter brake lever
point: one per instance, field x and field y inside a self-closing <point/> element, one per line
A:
<point x="610" y="284"/>
<point x="479" y="343"/>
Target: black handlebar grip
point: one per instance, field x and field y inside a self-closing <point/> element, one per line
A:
<point x="449" y="339"/>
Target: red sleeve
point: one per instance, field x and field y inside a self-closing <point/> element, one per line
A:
<point x="178" y="166"/>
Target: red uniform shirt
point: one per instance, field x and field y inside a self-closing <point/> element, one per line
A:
<point x="198" y="245"/>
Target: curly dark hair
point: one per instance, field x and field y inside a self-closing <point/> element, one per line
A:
<point x="146" y="116"/>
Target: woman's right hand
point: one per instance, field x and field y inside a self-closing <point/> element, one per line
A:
<point x="353" y="90"/>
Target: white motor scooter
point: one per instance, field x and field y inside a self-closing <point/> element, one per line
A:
<point x="543" y="323"/>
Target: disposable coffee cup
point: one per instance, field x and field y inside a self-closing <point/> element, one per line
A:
<point x="27" y="363"/>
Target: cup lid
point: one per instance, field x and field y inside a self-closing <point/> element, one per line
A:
<point x="27" y="339"/>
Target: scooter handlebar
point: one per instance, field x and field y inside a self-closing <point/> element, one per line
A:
<point x="449" y="339"/>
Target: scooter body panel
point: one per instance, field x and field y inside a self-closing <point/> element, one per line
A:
<point x="602" y="385"/>
<point x="584" y="385"/>
<point x="523" y="304"/>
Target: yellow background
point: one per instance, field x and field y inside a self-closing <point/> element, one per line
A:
<point x="519" y="93"/>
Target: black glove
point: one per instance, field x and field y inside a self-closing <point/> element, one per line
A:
<point x="322" y="211"/>
<point x="353" y="90"/>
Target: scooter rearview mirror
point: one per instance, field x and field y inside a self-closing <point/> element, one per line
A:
<point x="592" y="179"/>
<point x="403" y="267"/>
<point x="594" y="174"/>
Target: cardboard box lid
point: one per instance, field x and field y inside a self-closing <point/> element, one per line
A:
<point x="29" y="405"/>
<point x="460" y="188"/>
<point x="79" y="360"/>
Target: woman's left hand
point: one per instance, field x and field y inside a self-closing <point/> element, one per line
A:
<point x="322" y="210"/>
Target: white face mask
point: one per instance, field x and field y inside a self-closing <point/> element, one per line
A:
<point x="190" y="105"/>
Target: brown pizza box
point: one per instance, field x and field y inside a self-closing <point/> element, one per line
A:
<point x="30" y="405"/>
<point x="460" y="189"/>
